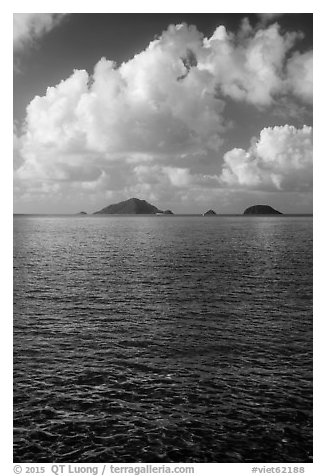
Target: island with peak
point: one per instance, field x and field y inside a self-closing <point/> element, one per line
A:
<point x="261" y="210"/>
<point x="132" y="206"/>
<point x="209" y="213"/>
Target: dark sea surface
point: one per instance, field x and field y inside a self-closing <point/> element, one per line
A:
<point x="162" y="339"/>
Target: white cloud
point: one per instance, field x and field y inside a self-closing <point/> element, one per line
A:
<point x="300" y="75"/>
<point x="281" y="159"/>
<point x="27" y="27"/>
<point x="249" y="70"/>
<point x="178" y="177"/>
<point x="131" y="126"/>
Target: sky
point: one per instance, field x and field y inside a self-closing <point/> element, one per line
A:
<point x="187" y="111"/>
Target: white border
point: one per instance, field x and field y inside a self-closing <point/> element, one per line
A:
<point x="140" y="6"/>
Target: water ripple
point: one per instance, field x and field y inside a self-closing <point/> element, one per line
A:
<point x="171" y="340"/>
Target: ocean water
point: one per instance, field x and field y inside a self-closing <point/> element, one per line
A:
<point x="162" y="339"/>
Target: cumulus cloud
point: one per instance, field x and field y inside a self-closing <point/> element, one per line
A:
<point x="28" y="27"/>
<point x="281" y="159"/>
<point x="250" y="70"/>
<point x="300" y="75"/>
<point x="134" y="124"/>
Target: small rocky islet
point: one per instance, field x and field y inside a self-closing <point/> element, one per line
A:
<point x="209" y="213"/>
<point x="261" y="210"/>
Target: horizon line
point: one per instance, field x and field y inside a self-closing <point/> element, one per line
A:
<point x="154" y="214"/>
